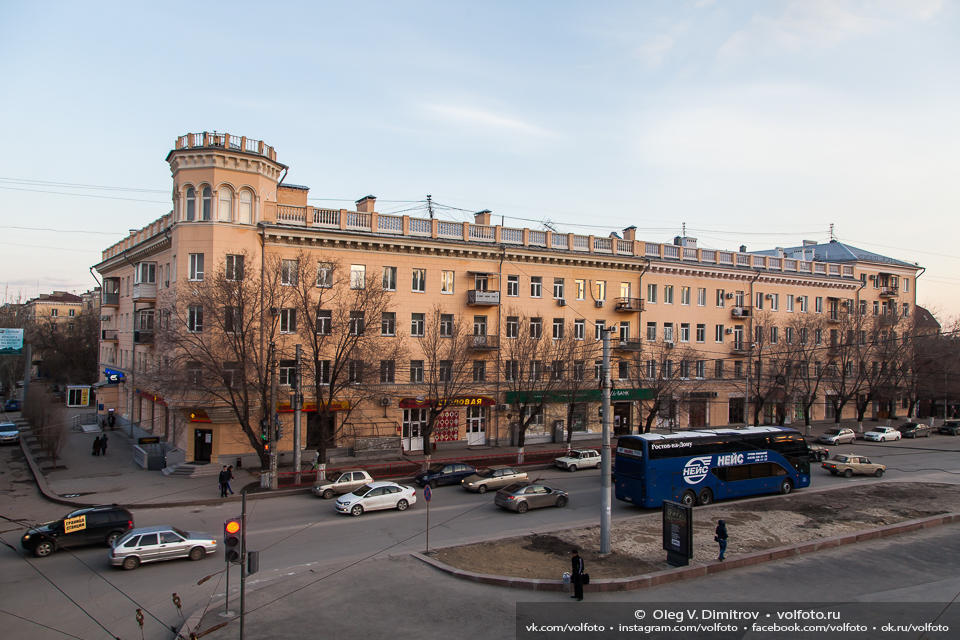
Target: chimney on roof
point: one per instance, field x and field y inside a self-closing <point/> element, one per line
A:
<point x="630" y="233"/>
<point x="366" y="204"/>
<point x="743" y="248"/>
<point x="482" y="217"/>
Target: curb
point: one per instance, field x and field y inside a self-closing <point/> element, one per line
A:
<point x="685" y="573"/>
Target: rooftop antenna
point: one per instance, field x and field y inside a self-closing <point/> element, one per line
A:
<point x="832" y="238"/>
<point x="548" y="223"/>
<point x="683" y="230"/>
<point x="430" y="205"/>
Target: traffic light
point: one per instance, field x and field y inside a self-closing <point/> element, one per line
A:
<point x="232" y="531"/>
<point x="264" y="430"/>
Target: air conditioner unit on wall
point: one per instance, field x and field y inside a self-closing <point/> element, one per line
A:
<point x="561" y="302"/>
<point x="769" y="296"/>
<point x="729" y="296"/>
<point x="728" y="331"/>
<point x="384" y="401"/>
<point x="598" y="303"/>
<point x="668" y="345"/>
<point x="502" y="407"/>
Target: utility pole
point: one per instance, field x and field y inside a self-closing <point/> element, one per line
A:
<point x="243" y="557"/>
<point x="297" y="405"/>
<point x="272" y="418"/>
<point x="605" y="497"/>
<point x="430" y="205"/>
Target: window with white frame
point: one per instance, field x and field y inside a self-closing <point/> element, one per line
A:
<point x="232" y="320"/>
<point x="790" y="302"/>
<point x="652" y="293"/>
<point x="668" y="332"/>
<point x="558" y="288"/>
<point x="601" y="289"/>
<point x="668" y="294"/>
<point x="145" y="273"/>
<point x="287" y="373"/>
<point x="535" y="370"/>
<point x="196" y="266"/>
<point x="288" y="320"/>
<point x="245" y="213"/>
<point x="651" y="369"/>
<point x="536" y="286"/>
<point x="558" y="328"/>
<point x="579" y="370"/>
<point x="536" y="328"/>
<point x="581" y="287"/>
<point x="511" y="370"/>
<point x="721" y="297"/>
<point x="416" y="371"/>
<point x="325" y="275"/>
<point x="701" y="332"/>
<point x="324" y="322"/>
<point x="389" y="278"/>
<point x="479" y="371"/>
<point x="598" y="327"/>
<point x="702" y="297"/>
<point x="225" y="205"/>
<point x="685" y="296"/>
<point x="513" y="286"/>
<point x="234" y="267"/>
<point x="288" y="273"/>
<point x="388" y="323"/>
<point x="818" y="304"/>
<point x="418" y="280"/>
<point x="388" y="370"/>
<point x="701" y="370"/>
<point x="357" y="323"/>
<point x="195" y="318"/>
<point x="579" y="329"/>
<point x="323" y="372"/>
<point x="355" y="371"/>
<point x="802" y="303"/>
<point x="684" y="332"/>
<point x="446" y="325"/>
<point x="623" y="369"/>
<point x="774" y="302"/>
<point x="446" y="282"/>
<point x="481" y="282"/>
<point x="191" y="213"/>
<point x="358" y="276"/>
<point x="651" y="331"/>
<point x="513" y="327"/>
<point x="624" y="332"/>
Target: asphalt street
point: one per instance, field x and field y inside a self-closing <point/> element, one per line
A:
<point x="301" y="536"/>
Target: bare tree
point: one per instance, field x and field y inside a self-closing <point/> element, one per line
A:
<point x="213" y="338"/>
<point x="352" y="340"/>
<point x="664" y="369"/>
<point x="67" y="348"/>
<point x="806" y="354"/>
<point x="844" y="377"/>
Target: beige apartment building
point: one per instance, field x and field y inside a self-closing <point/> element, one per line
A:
<point x="717" y="310"/>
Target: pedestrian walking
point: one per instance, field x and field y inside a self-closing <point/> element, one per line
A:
<point x="721" y="538"/>
<point x="103" y="444"/>
<point x="96" y="446"/>
<point x="229" y="478"/>
<point x="222" y="478"/>
<point x="576" y="574"/>
<point x="111" y="419"/>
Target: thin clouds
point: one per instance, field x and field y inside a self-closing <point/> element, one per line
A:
<point x="653" y="50"/>
<point x="489" y="120"/>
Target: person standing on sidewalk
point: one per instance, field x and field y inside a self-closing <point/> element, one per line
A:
<point x="103" y="444"/>
<point x="576" y="574"/>
<point x="229" y="478"/>
<point x="222" y="479"/>
<point x="721" y="538"/>
<point x="96" y="446"/>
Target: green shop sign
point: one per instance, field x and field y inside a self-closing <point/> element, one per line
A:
<point x="581" y="395"/>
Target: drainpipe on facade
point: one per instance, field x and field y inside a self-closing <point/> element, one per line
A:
<point x="640" y="329"/>
<point x="100" y="325"/>
<point x="856" y="311"/>
<point x="746" y="398"/>
<point x="133" y="348"/>
<point x="496" y="437"/>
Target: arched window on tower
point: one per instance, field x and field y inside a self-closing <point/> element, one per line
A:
<point x="191" y="204"/>
<point x="246" y="207"/>
<point x="225" y="209"/>
<point x="207" y="203"/>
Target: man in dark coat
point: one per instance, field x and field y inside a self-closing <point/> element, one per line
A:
<point x="96" y="446"/>
<point x="224" y="479"/>
<point x="103" y="444"/>
<point x="576" y="574"/>
<point x="721" y="538"/>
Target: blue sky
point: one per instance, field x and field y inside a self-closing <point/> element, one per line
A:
<point x="757" y="123"/>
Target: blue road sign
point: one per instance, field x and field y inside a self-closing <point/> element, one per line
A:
<point x="427" y="493"/>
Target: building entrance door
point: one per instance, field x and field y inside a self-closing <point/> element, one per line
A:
<point x="621" y="419"/>
<point x="412" y="434"/>
<point x="476" y="426"/>
<point x="202" y="444"/>
<point x="698" y="413"/>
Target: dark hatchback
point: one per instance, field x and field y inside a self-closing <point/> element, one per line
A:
<point x="950" y="428"/>
<point x="444" y="473"/>
<point x="83" y="527"/>
<point x="914" y="430"/>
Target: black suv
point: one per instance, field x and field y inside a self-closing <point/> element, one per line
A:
<point x="92" y="525"/>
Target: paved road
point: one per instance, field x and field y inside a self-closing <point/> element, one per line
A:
<point x="302" y="535"/>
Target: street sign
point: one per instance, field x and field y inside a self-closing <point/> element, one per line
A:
<point x="427" y="493"/>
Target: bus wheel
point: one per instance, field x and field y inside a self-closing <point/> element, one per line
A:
<point x="786" y="487"/>
<point x="706" y="497"/>
<point x="688" y="499"/>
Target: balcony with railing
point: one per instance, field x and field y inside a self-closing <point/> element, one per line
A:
<point x="739" y="348"/>
<point x="478" y="298"/>
<point x="483" y="343"/>
<point x="214" y="140"/>
<point x="889" y="292"/>
<point x="108" y="335"/>
<point x="632" y="345"/>
<point x="628" y="304"/>
<point x="740" y="312"/>
<point x="144" y="292"/>
<point x="143" y="336"/>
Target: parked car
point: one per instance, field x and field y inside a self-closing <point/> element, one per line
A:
<point x="579" y="459"/>
<point x="837" y="435"/>
<point x="492" y="478"/>
<point x="521" y="497"/>
<point x="345" y="482"/>
<point x="376" y="495"/>
<point x="818" y="452"/>
<point x="444" y="473"/>
<point x="92" y="525"/>
<point x="153" y="544"/>
<point x="11" y="405"/>
<point x="9" y="433"/>
<point x="847" y="464"/>
<point x="914" y="430"/>
<point x="949" y="428"/>
<point x="882" y="434"/>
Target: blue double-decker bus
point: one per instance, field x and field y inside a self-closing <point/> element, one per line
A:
<point x="698" y="467"/>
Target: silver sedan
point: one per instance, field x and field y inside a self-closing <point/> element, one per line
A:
<point x="153" y="544"/>
<point x="522" y="497"/>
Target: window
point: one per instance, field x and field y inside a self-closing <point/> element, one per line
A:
<point x="774" y="301"/>
<point x="790" y="302"/>
<point x="234" y="270"/>
<point x="684" y="332"/>
<point x="578" y="329"/>
<point x="601" y="286"/>
<point x="536" y="286"/>
<point x="287" y="373"/>
<point x="388" y="323"/>
<point x="906" y="285"/>
<point x="232" y="321"/>
<point x="685" y="295"/>
<point x="513" y="326"/>
<point x="479" y="371"/>
<point x="479" y="325"/>
<point x="818" y="304"/>
<point x="701" y="297"/>
<point x="718" y="369"/>
<point x="581" y="287"/>
<point x="324" y="322"/>
<point x="196" y="266"/>
<point x="536" y="328"/>
<point x="446" y="325"/>
<point x="558" y="288"/>
<point x="623" y="369"/>
<point x="325" y="275"/>
<point x="668" y="294"/>
<point x="416" y="371"/>
<point x="668" y="369"/>
<point x="536" y="370"/>
<point x="668" y="332"/>
<point x="788" y="335"/>
<point x="774" y="335"/>
<point x="481" y="282"/>
<point x="652" y="293"/>
<point x="225" y="208"/>
<point x="245" y="215"/>
<point x="721" y="297"/>
<point x="556" y="370"/>
<point x="358" y="276"/>
<point x="758" y="302"/>
<point x="145" y="273"/>
<point x="651" y="331"/>
<point x="579" y="370"/>
<point x="195" y="318"/>
<point x="323" y="372"/>
<point x="598" y="327"/>
<point x="906" y="308"/>
<point x="446" y="282"/>
<point x="624" y="332"/>
<point x="388" y="369"/>
<point x="207" y="202"/>
<point x="684" y="369"/>
<point x="876" y="308"/>
<point x="511" y="370"/>
<point x="288" y="320"/>
<point x="513" y="286"/>
<point x="738" y="299"/>
<point x="191" y="204"/>
<point x="355" y="371"/>
<point x="738" y="369"/>
<point x="389" y="278"/>
<point x="701" y="333"/>
<point x="288" y="273"/>
<point x="818" y="336"/>
<point x="803" y="335"/>
<point x="418" y="280"/>
<point x="72" y="313"/>
<point x="863" y="307"/>
<point x="651" y="369"/>
<point x="357" y="324"/>
<point x="802" y="303"/>
<point x="558" y="328"/>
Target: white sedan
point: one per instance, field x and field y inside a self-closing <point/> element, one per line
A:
<point x="376" y="495"/>
<point x="882" y="434"/>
